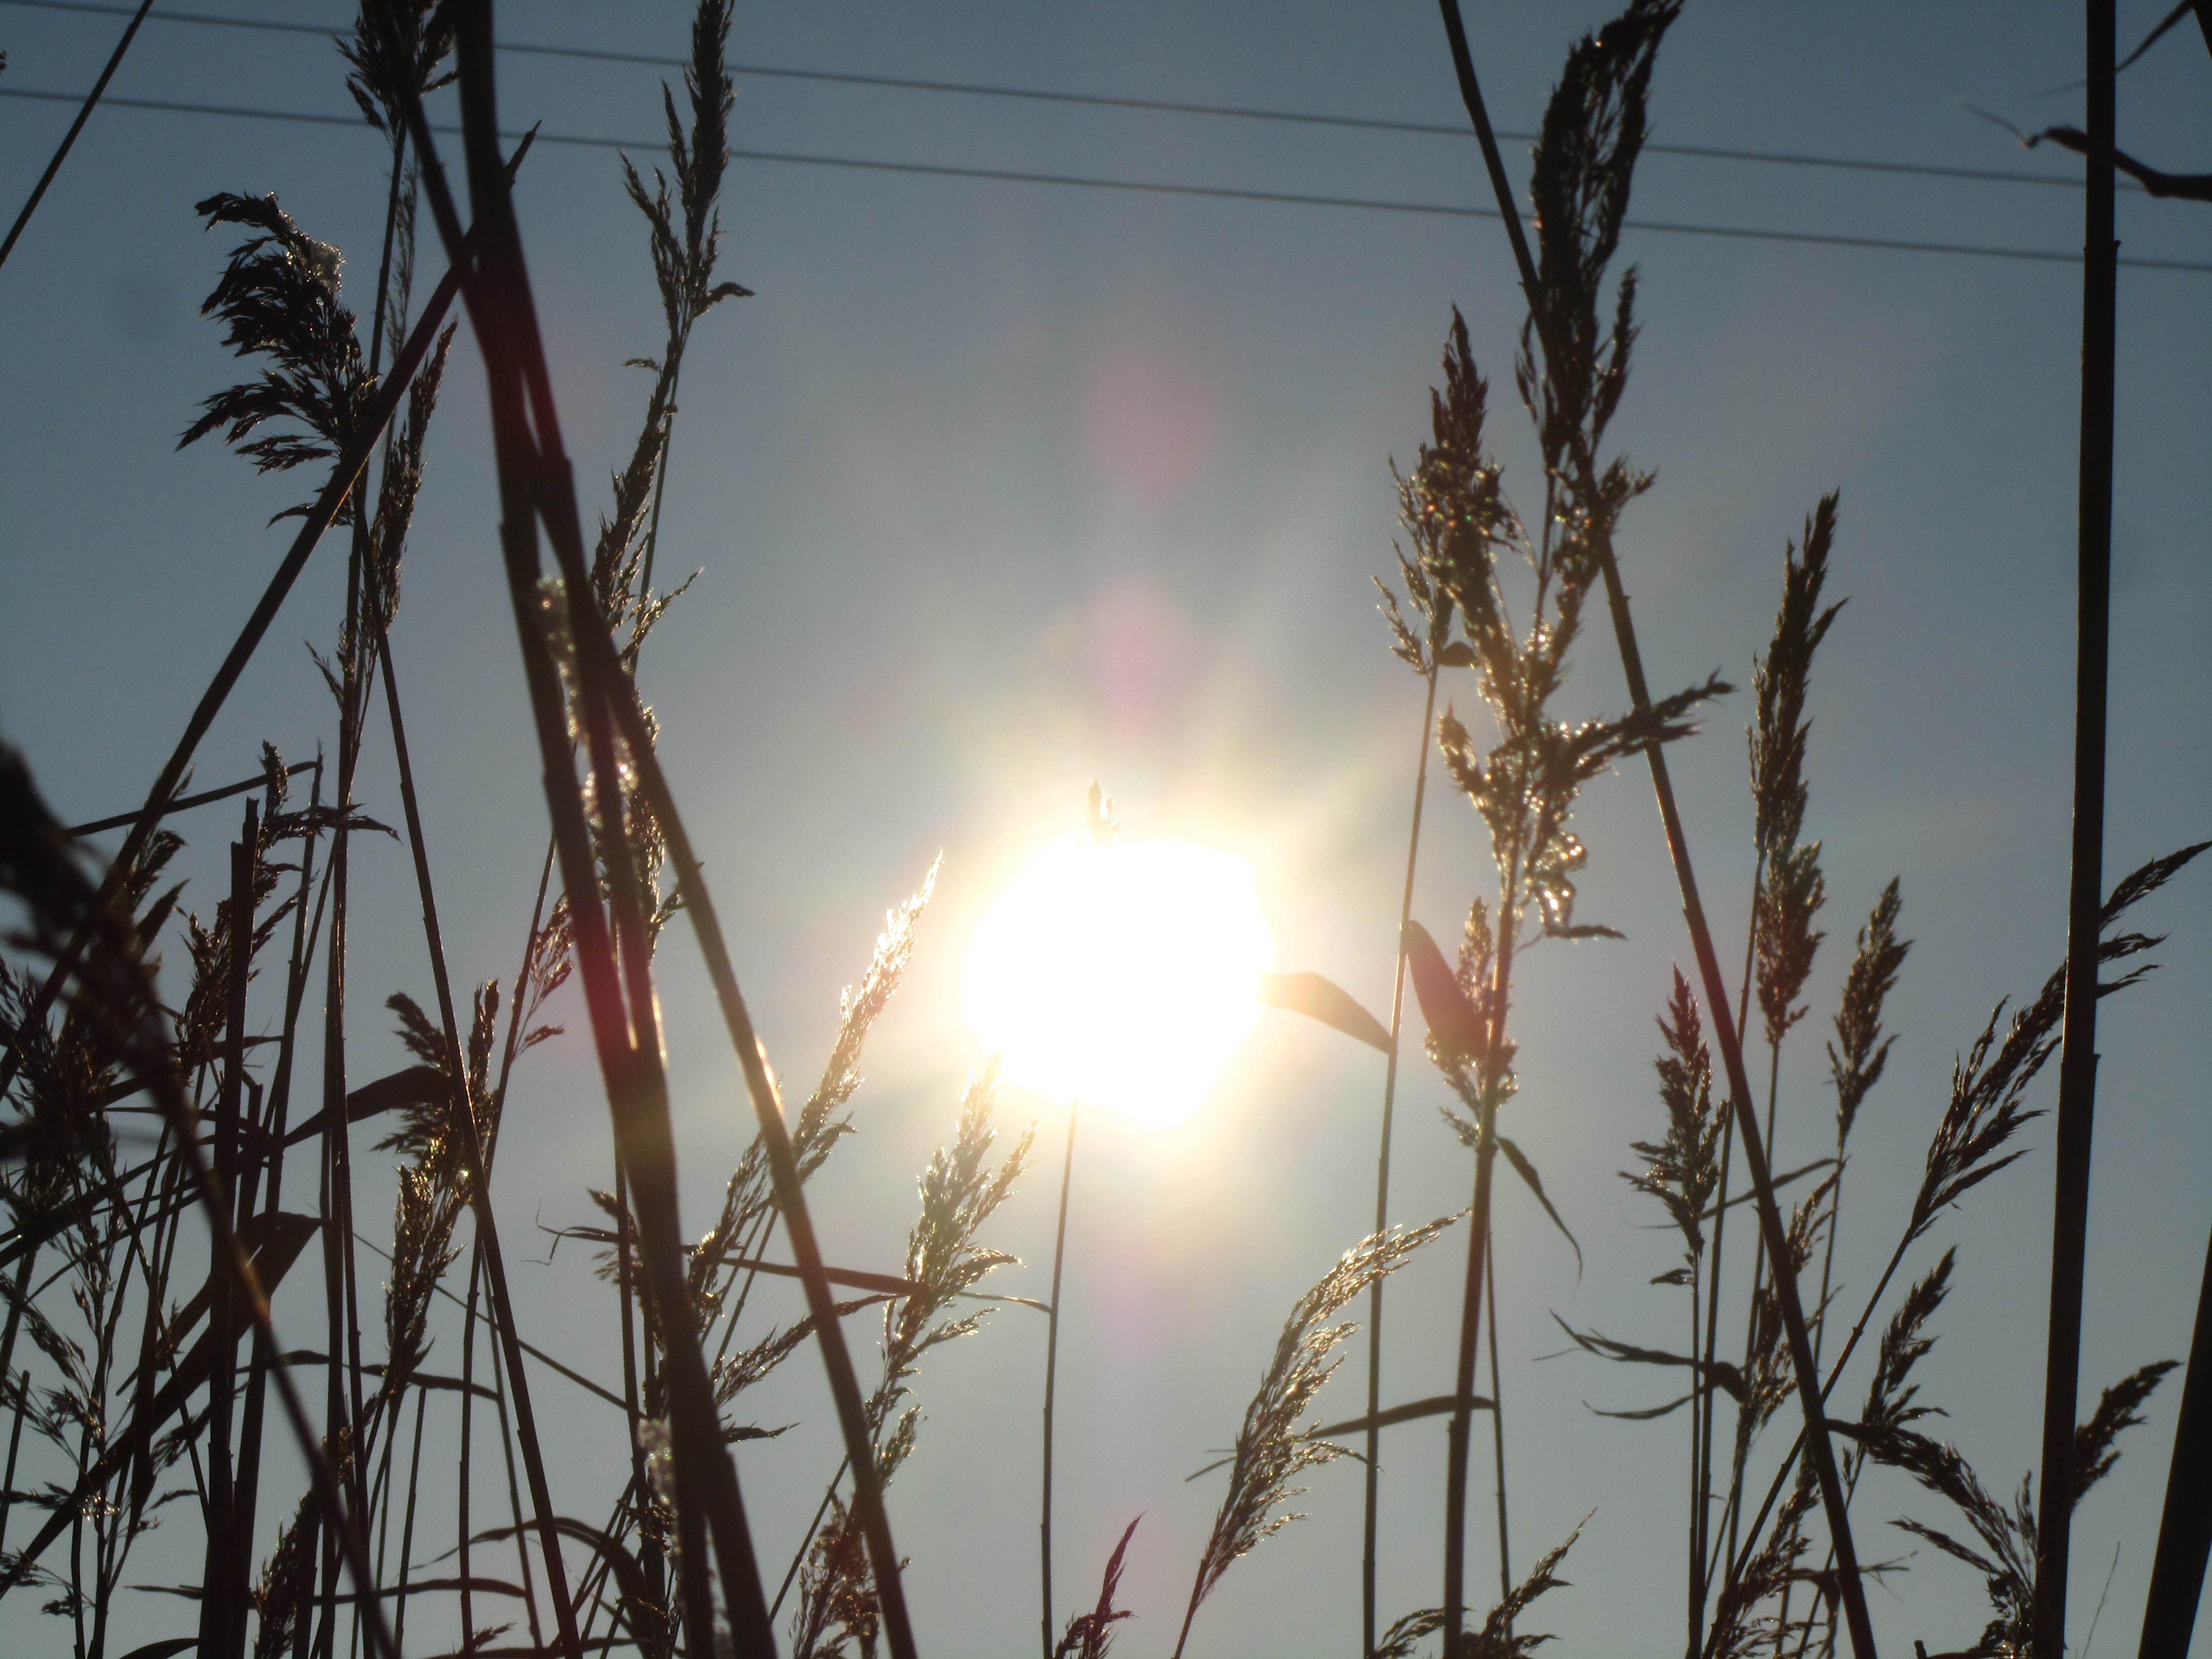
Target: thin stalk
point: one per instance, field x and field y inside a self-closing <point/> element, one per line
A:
<point x="1709" y="1552"/>
<point x="1833" y="1501"/>
<point x="15" y="1444"/>
<point x="183" y="803"/>
<point x="557" y="1583"/>
<point x="1456" y="1469"/>
<point x="383" y="1523"/>
<point x="84" y="114"/>
<point x="1497" y="1439"/>
<point x="2077" y="1061"/>
<point x="633" y="1414"/>
<point x="660" y="472"/>
<point x="407" y="1527"/>
<point x="1486" y="1152"/>
<point x="1828" y="1260"/>
<point x="468" y="1444"/>
<point x="339" y="1424"/>
<point x="24" y="1265"/>
<point x="1051" y="1381"/>
<point x="384" y="278"/>
<point x="161" y="1209"/>
<point x="295" y="983"/>
<point x="1709" y="1352"/>
<point x="521" y="978"/>
<point x="77" y="1598"/>
<point x="479" y="1173"/>
<point x="361" y="610"/>
<point x="340" y="1279"/>
<point x="812" y="1527"/>
<point x="751" y="1246"/>
<point x="1370" y="1516"/>
<point x="1696" y="1602"/>
<point x="1750" y="1319"/>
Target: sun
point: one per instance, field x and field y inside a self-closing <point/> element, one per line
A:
<point x="1120" y="975"/>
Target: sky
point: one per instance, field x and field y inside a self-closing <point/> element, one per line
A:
<point x="998" y="487"/>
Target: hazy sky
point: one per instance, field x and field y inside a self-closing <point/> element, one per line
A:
<point x="1000" y="487"/>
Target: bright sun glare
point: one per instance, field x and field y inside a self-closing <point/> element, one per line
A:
<point x="1121" y="975"/>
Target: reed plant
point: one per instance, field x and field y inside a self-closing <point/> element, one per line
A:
<point x="1523" y="778"/>
<point x="1753" y="1580"/>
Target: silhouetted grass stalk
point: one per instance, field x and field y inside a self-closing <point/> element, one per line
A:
<point x="1051" y="1381"/>
<point x="1371" y="1510"/>
<point x="1497" y="1443"/>
<point x="1462" y="1424"/>
<point x="532" y="482"/>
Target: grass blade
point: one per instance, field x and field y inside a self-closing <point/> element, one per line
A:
<point x="1323" y="999"/>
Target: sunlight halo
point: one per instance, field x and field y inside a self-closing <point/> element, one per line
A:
<point x="1121" y="975"/>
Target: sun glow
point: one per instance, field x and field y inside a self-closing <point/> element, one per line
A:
<point x="1122" y="975"/>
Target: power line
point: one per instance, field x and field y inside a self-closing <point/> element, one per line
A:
<point x="1155" y="187"/>
<point x="1234" y="112"/>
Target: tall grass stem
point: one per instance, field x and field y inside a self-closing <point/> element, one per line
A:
<point x="1051" y="1382"/>
<point x="1462" y="1426"/>
<point x="1497" y="1441"/>
<point x="535" y="480"/>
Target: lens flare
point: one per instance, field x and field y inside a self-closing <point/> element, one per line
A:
<point x="1122" y="975"/>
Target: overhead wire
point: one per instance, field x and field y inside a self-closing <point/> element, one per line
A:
<point x="1234" y="112"/>
<point x="1138" y="187"/>
<point x="1158" y="188"/>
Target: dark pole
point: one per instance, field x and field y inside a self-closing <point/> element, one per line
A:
<point x="2078" y="1066"/>
<point x="2184" y="1531"/>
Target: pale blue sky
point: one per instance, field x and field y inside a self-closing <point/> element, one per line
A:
<point x="999" y="487"/>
